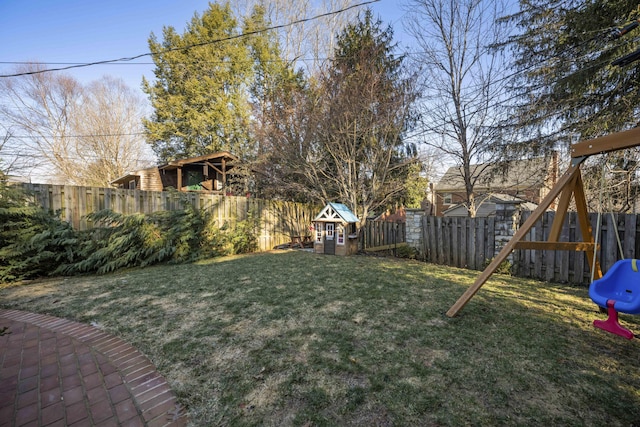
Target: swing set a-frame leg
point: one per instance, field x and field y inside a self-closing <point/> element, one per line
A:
<point x="570" y="183"/>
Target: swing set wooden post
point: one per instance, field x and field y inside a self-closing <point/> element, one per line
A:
<point x="570" y="184"/>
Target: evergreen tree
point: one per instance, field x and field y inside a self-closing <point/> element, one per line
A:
<point x="33" y="242"/>
<point x="200" y="95"/>
<point x="339" y="136"/>
<point x="368" y="102"/>
<point x="568" y="88"/>
<point x="272" y="75"/>
<point x="564" y="80"/>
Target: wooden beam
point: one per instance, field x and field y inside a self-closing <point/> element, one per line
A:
<point x="224" y="175"/>
<point x="385" y="247"/>
<point x="179" y="183"/>
<point x="211" y="165"/>
<point x="561" y="212"/>
<point x="605" y="144"/>
<point x="561" y="185"/>
<point x="569" y="184"/>
<point x="585" y="227"/>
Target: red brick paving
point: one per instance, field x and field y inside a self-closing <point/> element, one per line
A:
<point x="54" y="372"/>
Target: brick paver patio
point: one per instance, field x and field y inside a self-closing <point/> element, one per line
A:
<point x="55" y="372"/>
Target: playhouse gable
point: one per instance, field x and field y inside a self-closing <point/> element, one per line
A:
<point x="336" y="212"/>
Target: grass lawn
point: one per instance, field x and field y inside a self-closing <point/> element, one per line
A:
<point x="294" y="338"/>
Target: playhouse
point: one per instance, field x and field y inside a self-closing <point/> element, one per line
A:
<point x="335" y="231"/>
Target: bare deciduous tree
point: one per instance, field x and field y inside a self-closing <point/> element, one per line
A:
<point x="39" y="107"/>
<point x="8" y="159"/>
<point x="311" y="42"/>
<point x="108" y="129"/>
<point x="462" y="81"/>
<point x="80" y="135"/>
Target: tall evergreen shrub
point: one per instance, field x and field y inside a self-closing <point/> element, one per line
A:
<point x="33" y="242"/>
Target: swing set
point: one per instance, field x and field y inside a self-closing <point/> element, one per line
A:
<point x="619" y="289"/>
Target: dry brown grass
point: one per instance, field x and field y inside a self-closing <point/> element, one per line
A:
<point x="293" y="338"/>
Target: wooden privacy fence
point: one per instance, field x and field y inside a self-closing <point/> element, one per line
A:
<point x="473" y="242"/>
<point x="459" y="242"/>
<point x="383" y="235"/>
<point x="278" y="220"/>
<point x="572" y="266"/>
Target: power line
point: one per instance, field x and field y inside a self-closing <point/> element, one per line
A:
<point x="530" y="90"/>
<point x="104" y="135"/>
<point x="210" y="42"/>
<point x="416" y="133"/>
<point x="29" y="153"/>
<point x="126" y="61"/>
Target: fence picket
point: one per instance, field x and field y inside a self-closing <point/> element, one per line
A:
<point x="383" y="235"/>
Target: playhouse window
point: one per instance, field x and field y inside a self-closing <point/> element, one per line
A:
<point x="318" y="227"/>
<point x="340" y="232"/>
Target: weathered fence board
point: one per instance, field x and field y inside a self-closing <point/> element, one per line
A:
<point x="279" y="220"/>
<point x="460" y="242"/>
<point x="381" y="235"/>
<point x="572" y="266"/>
<point x="471" y="243"/>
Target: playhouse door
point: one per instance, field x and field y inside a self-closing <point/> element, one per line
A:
<point x="329" y="239"/>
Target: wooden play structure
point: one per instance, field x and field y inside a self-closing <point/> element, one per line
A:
<point x="570" y="185"/>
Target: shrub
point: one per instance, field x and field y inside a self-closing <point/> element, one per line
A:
<point x="406" y="252"/>
<point x="244" y="236"/>
<point x="139" y="240"/>
<point x="33" y="242"/>
<point x="505" y="266"/>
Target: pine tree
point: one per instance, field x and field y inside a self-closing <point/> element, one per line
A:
<point x="200" y="93"/>
<point x="368" y="105"/>
<point x="339" y="135"/>
<point x="565" y="83"/>
<point x="567" y="87"/>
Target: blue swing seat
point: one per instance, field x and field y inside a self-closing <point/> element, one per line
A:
<point x="621" y="284"/>
<point x="617" y="291"/>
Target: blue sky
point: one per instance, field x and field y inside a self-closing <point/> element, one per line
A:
<point x="81" y="31"/>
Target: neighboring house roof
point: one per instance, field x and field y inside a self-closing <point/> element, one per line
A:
<point x="336" y="211"/>
<point x="127" y="177"/>
<point x="516" y="174"/>
<point x="488" y="206"/>
<point x="130" y="176"/>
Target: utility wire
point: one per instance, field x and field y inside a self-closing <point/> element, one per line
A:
<point x="613" y="31"/>
<point x="478" y="86"/>
<point x="417" y="132"/>
<point x="105" y="135"/>
<point x="414" y="134"/>
<point x="210" y="42"/>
